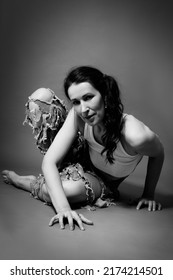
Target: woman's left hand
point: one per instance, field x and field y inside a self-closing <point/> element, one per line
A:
<point x="152" y="204"/>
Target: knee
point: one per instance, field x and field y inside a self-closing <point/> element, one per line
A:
<point x="42" y="94"/>
<point x="75" y="191"/>
<point x="75" y="188"/>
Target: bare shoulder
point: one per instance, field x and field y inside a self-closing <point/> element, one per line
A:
<point x="136" y="133"/>
<point x="140" y="138"/>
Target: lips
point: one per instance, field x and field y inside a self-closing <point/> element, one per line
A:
<point x="89" y="117"/>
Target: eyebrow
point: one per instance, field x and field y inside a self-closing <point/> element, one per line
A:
<point x="83" y="96"/>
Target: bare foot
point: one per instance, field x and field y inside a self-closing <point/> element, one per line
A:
<point x="9" y="177"/>
<point x="12" y="178"/>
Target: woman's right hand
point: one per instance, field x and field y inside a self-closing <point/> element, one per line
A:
<point x="71" y="217"/>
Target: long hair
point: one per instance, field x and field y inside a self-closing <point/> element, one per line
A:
<point x="109" y="90"/>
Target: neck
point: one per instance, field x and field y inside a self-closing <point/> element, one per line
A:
<point x="100" y="127"/>
<point x="98" y="131"/>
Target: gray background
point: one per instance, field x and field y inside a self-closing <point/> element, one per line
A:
<point x="40" y="41"/>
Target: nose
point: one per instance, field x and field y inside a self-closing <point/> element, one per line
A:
<point x="84" y="108"/>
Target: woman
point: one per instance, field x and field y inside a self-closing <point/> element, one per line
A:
<point x="116" y="144"/>
<point x="46" y="113"/>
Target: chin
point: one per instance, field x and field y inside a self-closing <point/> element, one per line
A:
<point x="95" y="122"/>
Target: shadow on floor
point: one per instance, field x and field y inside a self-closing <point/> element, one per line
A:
<point x="130" y="192"/>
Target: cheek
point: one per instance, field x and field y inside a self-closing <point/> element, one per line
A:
<point x="101" y="106"/>
<point x="102" y="112"/>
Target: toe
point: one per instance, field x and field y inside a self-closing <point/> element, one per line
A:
<point x="5" y="179"/>
<point x="5" y="172"/>
<point x="6" y="176"/>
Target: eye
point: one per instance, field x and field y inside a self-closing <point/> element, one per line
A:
<point x="75" y="102"/>
<point x="88" y="97"/>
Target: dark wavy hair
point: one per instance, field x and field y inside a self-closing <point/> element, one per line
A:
<point x="109" y="90"/>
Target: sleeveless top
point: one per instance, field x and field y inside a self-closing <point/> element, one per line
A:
<point x="123" y="165"/>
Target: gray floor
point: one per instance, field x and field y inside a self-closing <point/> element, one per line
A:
<point x="119" y="232"/>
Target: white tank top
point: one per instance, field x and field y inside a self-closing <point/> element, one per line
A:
<point x="124" y="163"/>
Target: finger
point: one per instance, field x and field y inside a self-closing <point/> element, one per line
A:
<point x="61" y="222"/>
<point x="154" y="206"/>
<point x="79" y="221"/>
<point x="159" y="207"/>
<point x="139" y="204"/>
<point x="54" y="220"/>
<point x="70" y="221"/>
<point x="85" y="220"/>
<point x="150" y="205"/>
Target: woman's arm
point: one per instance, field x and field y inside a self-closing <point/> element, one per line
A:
<point x="147" y="143"/>
<point x="53" y="158"/>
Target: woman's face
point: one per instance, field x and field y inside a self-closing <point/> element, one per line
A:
<point x="87" y="102"/>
